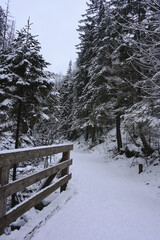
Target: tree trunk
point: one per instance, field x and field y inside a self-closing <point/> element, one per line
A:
<point x="147" y="150"/>
<point x="14" y="202"/>
<point x="93" y="135"/>
<point x="137" y="144"/>
<point x="86" y="133"/>
<point x="118" y="132"/>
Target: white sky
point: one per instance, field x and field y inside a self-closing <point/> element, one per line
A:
<point x="55" y="21"/>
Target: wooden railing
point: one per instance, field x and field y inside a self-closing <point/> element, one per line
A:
<point x="9" y="158"/>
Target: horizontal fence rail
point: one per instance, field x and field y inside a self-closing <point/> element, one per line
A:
<point x="9" y="158"/>
<point x="21" y="155"/>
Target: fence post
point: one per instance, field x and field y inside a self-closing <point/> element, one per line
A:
<point x="140" y="168"/>
<point x="65" y="156"/>
<point x="4" y="177"/>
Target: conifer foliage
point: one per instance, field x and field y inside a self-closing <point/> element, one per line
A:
<point x="117" y="74"/>
<point x="25" y="87"/>
<point x="66" y="102"/>
<point x="115" y="81"/>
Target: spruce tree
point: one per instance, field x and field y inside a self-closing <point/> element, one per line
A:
<point x="85" y="90"/>
<point x="24" y="86"/>
<point x="66" y="103"/>
<point x="24" y="82"/>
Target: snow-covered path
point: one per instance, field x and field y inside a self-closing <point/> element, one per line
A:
<point x="107" y="205"/>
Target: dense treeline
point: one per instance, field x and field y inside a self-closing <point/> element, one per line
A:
<point x="114" y="83"/>
<point x="117" y="74"/>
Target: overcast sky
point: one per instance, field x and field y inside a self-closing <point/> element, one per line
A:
<point x="55" y="21"/>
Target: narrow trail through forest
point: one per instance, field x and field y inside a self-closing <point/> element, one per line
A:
<point x="108" y="204"/>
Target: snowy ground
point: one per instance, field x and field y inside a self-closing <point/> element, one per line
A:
<point x="106" y="199"/>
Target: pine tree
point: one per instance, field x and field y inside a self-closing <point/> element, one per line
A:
<point x="45" y="131"/>
<point x="25" y="85"/>
<point x="66" y="103"/>
<point x="24" y="81"/>
<point x="87" y="102"/>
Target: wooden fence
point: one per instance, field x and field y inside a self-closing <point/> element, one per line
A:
<point x="9" y="158"/>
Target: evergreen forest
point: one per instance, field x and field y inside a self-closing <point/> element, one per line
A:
<point x="114" y="83"/>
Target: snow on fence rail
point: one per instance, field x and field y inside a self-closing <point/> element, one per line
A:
<point x="9" y="158"/>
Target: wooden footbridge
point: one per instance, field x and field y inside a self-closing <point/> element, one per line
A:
<point x="10" y="158"/>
